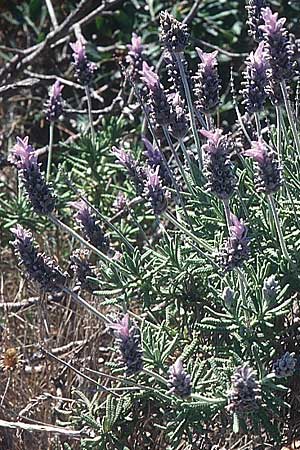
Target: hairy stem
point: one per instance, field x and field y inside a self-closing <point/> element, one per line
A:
<point x="190" y="108"/>
<point x="278" y="227"/>
<point x="51" y="132"/>
<point x="278" y="133"/>
<point x="291" y="116"/>
<point x="89" y="104"/>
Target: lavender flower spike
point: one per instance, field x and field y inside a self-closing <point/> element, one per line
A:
<point x="135" y="172"/>
<point x="279" y="48"/>
<point x="179" y="125"/>
<point x="82" y="269"/>
<point x="285" y="366"/>
<point x="245" y="393"/>
<point x="236" y="249"/>
<point x="207" y="83"/>
<point x="91" y="229"/>
<point x="218" y="168"/>
<point x="254" y="8"/>
<point x="135" y="57"/>
<point x="155" y="192"/>
<point x="54" y="108"/>
<point x="39" y="268"/>
<point x="39" y="193"/>
<point x="256" y="80"/>
<point x="129" y="341"/>
<point x="179" y="381"/>
<point x="174" y="34"/>
<point x="155" y="160"/>
<point x="84" y="69"/>
<point x="268" y="177"/>
<point x="156" y="99"/>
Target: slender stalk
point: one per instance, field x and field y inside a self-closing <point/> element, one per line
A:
<point x="243" y="300"/>
<point x="227" y="214"/>
<point x="257" y="123"/>
<point x="188" y="233"/>
<point x="73" y="233"/>
<point x="208" y="120"/>
<point x="51" y="13"/>
<point x="290" y="115"/>
<point x="87" y="306"/>
<point x="81" y="374"/>
<point x="190" y="108"/>
<point x="278" y="227"/>
<point x="175" y="155"/>
<point x="278" y="133"/>
<point x="51" y="133"/>
<point x="136" y="222"/>
<point x="156" y="376"/>
<point x="89" y="104"/>
<point x="187" y="158"/>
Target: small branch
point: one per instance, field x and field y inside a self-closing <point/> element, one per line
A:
<point x="40" y="428"/>
<point x="51" y="13"/>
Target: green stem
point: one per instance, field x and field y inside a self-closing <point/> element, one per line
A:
<point x="51" y="132"/>
<point x="89" y="104"/>
<point x="227" y="214"/>
<point x="257" y="123"/>
<point x="190" y="108"/>
<point x="86" y="305"/>
<point x="174" y="153"/>
<point x="101" y="255"/>
<point x="187" y="159"/>
<point x="156" y="376"/>
<point x="188" y="233"/>
<point x="278" y="227"/>
<point x="278" y="133"/>
<point x="290" y="115"/>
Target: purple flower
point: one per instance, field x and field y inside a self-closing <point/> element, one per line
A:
<point x="136" y="44"/>
<point x="179" y="124"/>
<point x="135" y="57"/>
<point x="256" y="80"/>
<point x="279" y="48"/>
<point x="135" y="172"/>
<point x="92" y="231"/>
<point x="268" y="177"/>
<point x="150" y="78"/>
<point x="53" y="106"/>
<point x="218" y="168"/>
<point x="120" y="204"/>
<point x="285" y="366"/>
<point x="155" y="160"/>
<point x="179" y="381"/>
<point x="155" y="192"/>
<point x="84" y="69"/>
<point x="129" y="342"/>
<point x="82" y="269"/>
<point x="236" y="249"/>
<point x="237" y="228"/>
<point x="39" y="268"/>
<point x="207" y="83"/>
<point x="22" y="154"/>
<point x="156" y="98"/>
<point x="174" y="34"/>
<point x="245" y="393"/>
<point x="39" y="193"/>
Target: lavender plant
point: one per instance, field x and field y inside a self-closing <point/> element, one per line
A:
<point x="186" y="274"/>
